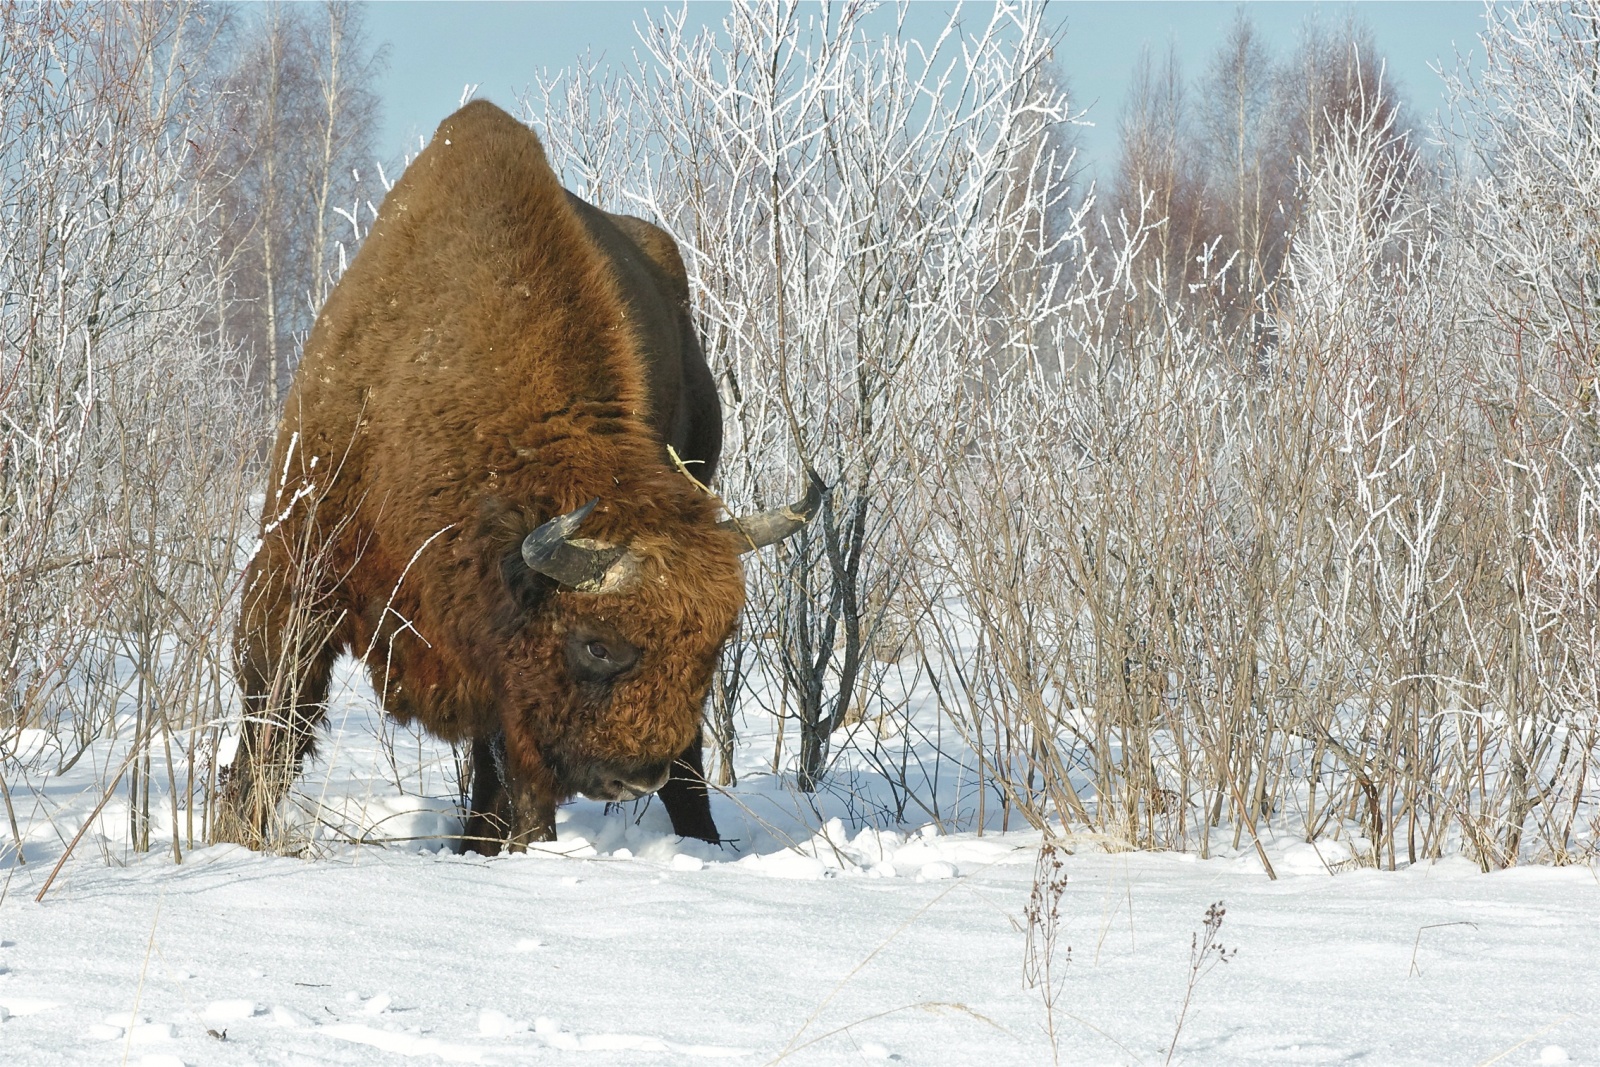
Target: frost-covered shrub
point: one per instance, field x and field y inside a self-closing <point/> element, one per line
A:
<point x="125" y="444"/>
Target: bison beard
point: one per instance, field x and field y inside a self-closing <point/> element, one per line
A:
<point x="473" y="495"/>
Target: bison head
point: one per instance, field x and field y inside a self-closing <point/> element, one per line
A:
<point x="619" y="634"/>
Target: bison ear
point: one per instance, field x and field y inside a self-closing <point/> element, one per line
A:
<point x="526" y="591"/>
<point x="512" y="592"/>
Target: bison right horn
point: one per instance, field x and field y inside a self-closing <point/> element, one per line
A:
<point x="772" y="526"/>
<point x="581" y="565"/>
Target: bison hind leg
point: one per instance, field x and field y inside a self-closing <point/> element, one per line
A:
<point x="274" y="739"/>
<point x="285" y="653"/>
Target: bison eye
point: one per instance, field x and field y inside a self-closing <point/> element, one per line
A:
<point x="599" y="656"/>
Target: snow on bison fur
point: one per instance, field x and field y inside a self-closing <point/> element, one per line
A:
<point x="471" y="492"/>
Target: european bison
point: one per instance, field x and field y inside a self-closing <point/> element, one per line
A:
<point x="472" y="493"/>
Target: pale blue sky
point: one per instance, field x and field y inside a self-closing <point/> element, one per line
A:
<point x="437" y="47"/>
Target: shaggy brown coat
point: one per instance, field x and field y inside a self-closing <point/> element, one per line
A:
<point x="497" y="354"/>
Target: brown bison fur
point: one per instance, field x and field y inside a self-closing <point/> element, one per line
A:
<point x="497" y="354"/>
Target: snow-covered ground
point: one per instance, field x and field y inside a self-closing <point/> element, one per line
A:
<point x="623" y="945"/>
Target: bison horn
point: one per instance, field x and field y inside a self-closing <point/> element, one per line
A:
<point x="772" y="526"/>
<point x="582" y="565"/>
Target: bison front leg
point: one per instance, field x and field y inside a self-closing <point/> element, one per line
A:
<point x="686" y="797"/>
<point x="489" y="811"/>
<point x="507" y="810"/>
<point x="533" y="817"/>
<point x="284" y="660"/>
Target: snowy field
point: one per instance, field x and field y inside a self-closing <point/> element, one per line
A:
<point x="623" y="945"/>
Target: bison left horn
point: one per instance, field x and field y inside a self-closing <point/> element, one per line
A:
<point x="582" y="565"/>
<point x="770" y="527"/>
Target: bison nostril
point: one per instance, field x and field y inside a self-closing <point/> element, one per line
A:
<point x="648" y="781"/>
<point x="627" y="783"/>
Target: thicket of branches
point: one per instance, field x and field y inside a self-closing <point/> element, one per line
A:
<point x="1257" y="494"/>
<point x="298" y="116"/>
<point x="136" y="268"/>
<point x="1223" y="166"/>
<point x="1257" y="497"/>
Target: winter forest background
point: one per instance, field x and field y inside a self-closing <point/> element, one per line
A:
<point x="1256" y="491"/>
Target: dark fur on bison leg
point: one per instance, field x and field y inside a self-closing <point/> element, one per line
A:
<point x="489" y="814"/>
<point x="687" y="800"/>
<point x="284" y="662"/>
<point x="505" y="814"/>
<point x="272" y="746"/>
<point x="533" y="818"/>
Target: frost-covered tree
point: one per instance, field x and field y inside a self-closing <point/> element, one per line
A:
<point x="123" y="434"/>
<point x="299" y="128"/>
<point x="853" y="207"/>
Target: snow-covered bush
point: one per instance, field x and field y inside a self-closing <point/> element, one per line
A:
<point x="125" y="447"/>
<point x="1118" y="542"/>
<point x="857" y="212"/>
<point x="1150" y="573"/>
